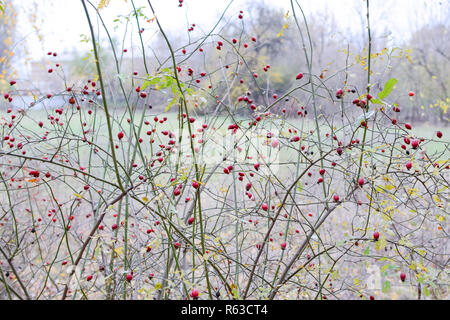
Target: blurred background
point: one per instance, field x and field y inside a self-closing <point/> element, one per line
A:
<point x="411" y="42"/>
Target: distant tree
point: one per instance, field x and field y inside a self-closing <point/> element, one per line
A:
<point x="8" y="22"/>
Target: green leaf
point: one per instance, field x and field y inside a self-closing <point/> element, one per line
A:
<point x="385" y="267"/>
<point x="170" y="104"/>
<point x="299" y="187"/>
<point x="386" y="286"/>
<point x="387" y="88"/>
<point x="367" y="251"/>
<point x="376" y="101"/>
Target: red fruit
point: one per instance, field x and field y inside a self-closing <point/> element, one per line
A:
<point x="177" y="245"/>
<point x="415" y="143"/>
<point x="143" y="95"/>
<point x="339" y="150"/>
<point x="120" y="135"/>
<point x="336" y="198"/>
<point x="89" y="278"/>
<point x="194" y="294"/>
<point x="256" y="166"/>
<point x="34" y="173"/>
<point x="408" y="126"/>
<point x="283" y="246"/>
<point x="299" y="76"/>
<point x="114" y="226"/>
<point x="41" y="124"/>
<point x="361" y="182"/>
<point x="408" y="165"/>
<point x="72" y="100"/>
<point x="86" y="187"/>
<point x="191" y="220"/>
<point x="295" y="139"/>
<point x="195" y="184"/>
<point x="129" y="277"/>
<point x="376" y="235"/>
<point x="322" y="172"/>
<point x="248" y="186"/>
<point x="265" y="207"/>
<point x="439" y="134"/>
<point x="177" y="192"/>
<point x="320" y="180"/>
<point x="402" y="276"/>
<point x="411" y="93"/>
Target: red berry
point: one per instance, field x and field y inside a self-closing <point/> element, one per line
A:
<point x="402" y="276"/>
<point x="299" y="76"/>
<point x="408" y="165"/>
<point x="194" y="294"/>
<point x="361" y="182"/>
<point x="376" y="235"/>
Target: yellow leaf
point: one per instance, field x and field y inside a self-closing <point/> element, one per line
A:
<point x="119" y="251"/>
<point x="102" y="4"/>
<point x="78" y="195"/>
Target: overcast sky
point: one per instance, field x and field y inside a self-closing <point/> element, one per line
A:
<point x="62" y="21"/>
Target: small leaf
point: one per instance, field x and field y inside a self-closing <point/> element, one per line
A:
<point x="376" y="101"/>
<point x="385" y="267"/>
<point x="387" y="88"/>
<point x="386" y="286"/>
<point x="367" y="251"/>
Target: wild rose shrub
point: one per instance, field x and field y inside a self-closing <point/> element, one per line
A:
<point x="234" y="191"/>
